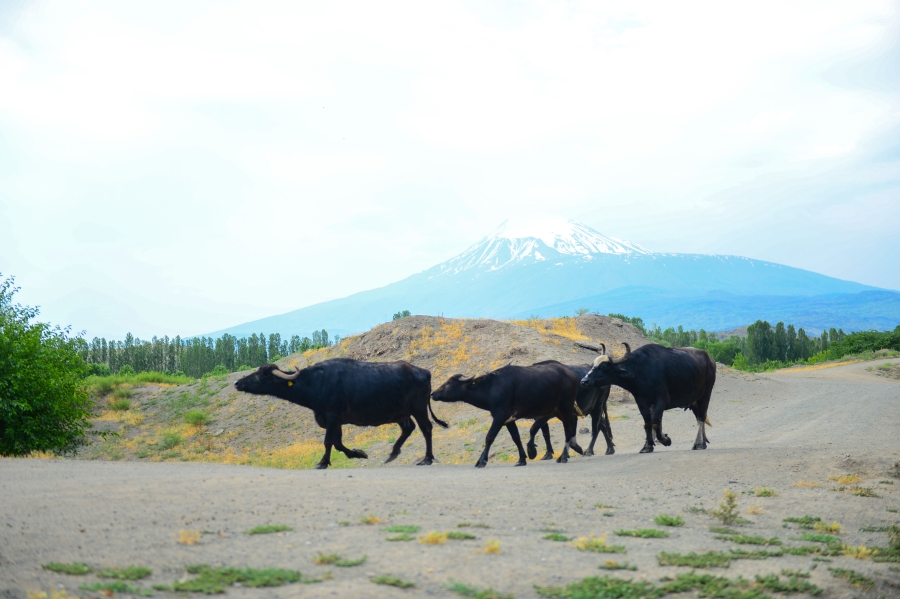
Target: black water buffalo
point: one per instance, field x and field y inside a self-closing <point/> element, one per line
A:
<point x="660" y="378"/>
<point x="589" y="401"/>
<point x="342" y="391"/>
<point x="513" y="392"/>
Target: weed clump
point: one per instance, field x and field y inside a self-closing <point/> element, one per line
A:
<point x="643" y="533"/>
<point x="108" y="588"/>
<point x="459" y="536"/>
<point x="120" y="404"/>
<point x="764" y="492"/>
<point x="894" y="536"/>
<point x="400" y="537"/>
<point x="741" y="539"/>
<point x="324" y="559"/>
<point x="370" y="519"/>
<point x="266" y="529"/>
<point x="349" y="563"/>
<point x="476" y="593"/>
<point x="403" y="528"/>
<point x="854" y="578"/>
<point x="197" y="417"/>
<point x="214" y="580"/>
<point x="433" y="538"/>
<point x="807" y="522"/>
<point x="492" y="548"/>
<point x="666" y="520"/>
<point x="612" y="564"/>
<point x="75" y="568"/>
<point x="859" y="551"/>
<point x="597" y="544"/>
<point x="555" y="536"/>
<point x="393" y="581"/>
<point x="188" y="537"/>
<point x="710" y="559"/>
<point x="833" y="528"/>
<point x="126" y="573"/>
<point x="819" y="538"/>
<point x="728" y="510"/>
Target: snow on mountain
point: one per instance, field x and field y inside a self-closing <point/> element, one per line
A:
<point x="537" y="240"/>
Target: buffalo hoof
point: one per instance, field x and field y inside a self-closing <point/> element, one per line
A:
<point x="426" y="461"/>
<point x="699" y="446"/>
<point x="391" y="458"/>
<point x="666" y="440"/>
<point x="610" y="450"/>
<point x="481" y="464"/>
<point x="521" y="463"/>
<point x="576" y="448"/>
<point x="531" y="448"/>
<point x="647" y="449"/>
<point x="358" y="453"/>
<point x="548" y="456"/>
<point x="321" y="466"/>
<point x="563" y="459"/>
<point x="588" y="452"/>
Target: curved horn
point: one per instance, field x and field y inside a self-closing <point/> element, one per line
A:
<point x="627" y="350"/>
<point x="602" y="349"/>
<point x="465" y="379"/>
<point x="288" y="376"/>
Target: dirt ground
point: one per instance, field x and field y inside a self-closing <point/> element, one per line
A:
<point x="769" y="431"/>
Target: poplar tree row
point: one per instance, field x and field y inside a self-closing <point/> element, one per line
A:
<point x="195" y="356"/>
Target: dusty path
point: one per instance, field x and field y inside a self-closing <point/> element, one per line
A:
<point x="769" y="431"/>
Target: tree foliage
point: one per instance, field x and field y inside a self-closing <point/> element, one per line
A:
<point x="44" y="404"/>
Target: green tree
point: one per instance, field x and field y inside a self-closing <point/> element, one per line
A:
<point x="760" y="342"/>
<point x="44" y="404"/>
<point x="779" y="343"/>
<point x="401" y="314"/>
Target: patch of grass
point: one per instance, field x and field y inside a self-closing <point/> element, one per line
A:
<point x="555" y="536"/>
<point x="393" y="581"/>
<point x="474" y="592"/>
<point x="197" y="417"/>
<point x="107" y="588"/>
<point x="845" y="479"/>
<point x="170" y="440"/>
<point x="266" y="529"/>
<point x="349" y="563"/>
<point x="120" y="405"/>
<point x="894" y="536"/>
<point x="459" y="536"/>
<point x="728" y="510"/>
<point x="833" y="528"/>
<point x="370" y="519"/>
<point x="470" y="525"/>
<point x="741" y="539"/>
<point x="400" y="537"/>
<point x="794" y="573"/>
<point x="854" y="578"/>
<point x="723" y="530"/>
<point x="188" y="537"/>
<point x="819" y="538"/>
<point x="805" y="550"/>
<point x="604" y="506"/>
<point x="403" y="528"/>
<point x="602" y="587"/>
<point x="667" y="520"/>
<point x="126" y="573"/>
<point x="211" y="580"/>
<point x="643" y="533"/>
<point x="710" y="559"/>
<point x="433" y="538"/>
<point x="612" y="564"/>
<point x="807" y="522"/>
<point x="696" y="510"/>
<point x="794" y="584"/>
<point x="858" y="551"/>
<point x="597" y="544"/>
<point x="75" y="568"/>
<point x="764" y="492"/>
<point x="806" y="484"/>
<point x="492" y="548"/>
<point x="863" y="492"/>
<point x="755" y="554"/>
<point x="344" y="523"/>
<point x="324" y="559"/>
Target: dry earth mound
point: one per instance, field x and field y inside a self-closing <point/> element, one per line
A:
<point x="163" y="422"/>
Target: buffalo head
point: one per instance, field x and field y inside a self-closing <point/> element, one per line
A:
<point x="267" y="380"/>
<point x="605" y="371"/>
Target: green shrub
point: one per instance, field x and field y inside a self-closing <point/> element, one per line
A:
<point x="126" y="573"/>
<point x="219" y="372"/>
<point x="267" y="529"/>
<point x="120" y="405"/>
<point x="643" y="533"/>
<point x="197" y="417"/>
<point x="76" y="568"/>
<point x="44" y="404"/>
<point x="170" y="440"/>
<point x="666" y="520"/>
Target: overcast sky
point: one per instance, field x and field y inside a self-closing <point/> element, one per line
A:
<point x="181" y="167"/>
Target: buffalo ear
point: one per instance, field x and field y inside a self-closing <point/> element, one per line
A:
<point x="624" y="374"/>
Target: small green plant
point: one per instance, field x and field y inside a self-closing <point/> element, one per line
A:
<point x="115" y="587"/>
<point x="470" y="525"/>
<point x="644" y="533"/>
<point x="604" y="506"/>
<point x="794" y="584"/>
<point x="854" y="578"/>
<point x="749" y="540"/>
<point x="754" y="554"/>
<point x="794" y="573"/>
<point x="370" y="519"/>
<point x="324" y="559"/>
<point x="819" y="538"/>
<point x="211" y="580"/>
<point x="710" y="559"/>
<point x="459" y="536"/>
<point x="667" y="520"/>
<point x="266" y="529"/>
<point x="75" y="568"/>
<point x="474" y="592"/>
<point x="401" y="537"/>
<point x="403" y="528"/>
<point x="596" y="544"/>
<point x="170" y="440"/>
<point x="120" y="405"/>
<point x="894" y="536"/>
<point x="764" y="492"/>
<point x="612" y="564"/>
<point x="197" y="417"/>
<point x="728" y="510"/>
<point x="393" y="581"/>
<point x="695" y="510"/>
<point x="723" y="530"/>
<point x="349" y="563"/>
<point x="126" y="573"/>
<point x="863" y="492"/>
<point x="807" y="522"/>
<point x="555" y="536"/>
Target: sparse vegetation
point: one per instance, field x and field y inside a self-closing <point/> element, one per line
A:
<point x="266" y="529"/>
<point x="643" y="533"/>
<point x="470" y="525"/>
<point x="492" y="548"/>
<point x="854" y="578"/>
<point x="392" y="581"/>
<point x="807" y="522"/>
<point x="211" y="580"/>
<point x="612" y="564"/>
<point x="349" y="563"/>
<point x="764" y="492"/>
<point x="403" y="528"/>
<point x="197" y="417"/>
<point x="728" y="510"/>
<point x="819" y="538"/>
<point x="666" y="520"/>
<point x="188" y="537"/>
<point x="75" y="568"/>
<point x="597" y="544"/>
<point x="433" y="538"/>
<point x="474" y="592"/>
<point x="325" y="559"/>
<point x="741" y="539"/>
<point x="807" y="484"/>
<point x="710" y="559"/>
<point x="555" y="536"/>
<point x="108" y="588"/>
<point x="370" y="519"/>
<point x="859" y="551"/>
<point x="833" y="528"/>
<point x="401" y="537"/>
<point x="126" y="573"/>
<point x="459" y="536"/>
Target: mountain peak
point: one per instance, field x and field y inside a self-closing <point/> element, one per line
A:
<point x="537" y="239"/>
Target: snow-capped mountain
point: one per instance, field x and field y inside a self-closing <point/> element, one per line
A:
<point x="537" y="240"/>
<point x="552" y="267"/>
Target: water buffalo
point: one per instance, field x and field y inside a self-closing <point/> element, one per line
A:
<point x="342" y="391"/>
<point x="512" y="392"/>
<point x="660" y="378"/>
<point x="589" y="401"/>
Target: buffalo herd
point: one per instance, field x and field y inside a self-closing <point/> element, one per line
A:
<point x="343" y="391"/>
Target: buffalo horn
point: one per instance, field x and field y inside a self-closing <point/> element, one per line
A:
<point x="288" y="376"/>
<point x="602" y="349"/>
<point x="627" y="350"/>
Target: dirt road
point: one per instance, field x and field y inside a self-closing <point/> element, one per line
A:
<point x="769" y="431"/>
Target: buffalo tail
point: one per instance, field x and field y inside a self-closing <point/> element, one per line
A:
<point x="436" y="419"/>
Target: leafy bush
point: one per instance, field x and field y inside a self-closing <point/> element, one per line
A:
<point x="170" y="440"/>
<point x="401" y="314"/>
<point x="44" y="404"/>
<point x="120" y="405"/>
<point x="196" y="417"/>
<point x="219" y="372"/>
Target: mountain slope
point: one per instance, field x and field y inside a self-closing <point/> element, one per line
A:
<point x="555" y="265"/>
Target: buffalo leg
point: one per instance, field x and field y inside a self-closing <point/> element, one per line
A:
<point x="489" y="440"/>
<point x="648" y="429"/>
<point x="540" y="424"/>
<point x="325" y="462"/>
<point x="570" y="425"/>
<point x="427" y="427"/>
<point x="406" y="429"/>
<point x="700" y="412"/>
<point x="339" y="445"/>
<point x="514" y="433"/>
<point x="658" y="411"/>
<point x="605" y="427"/>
